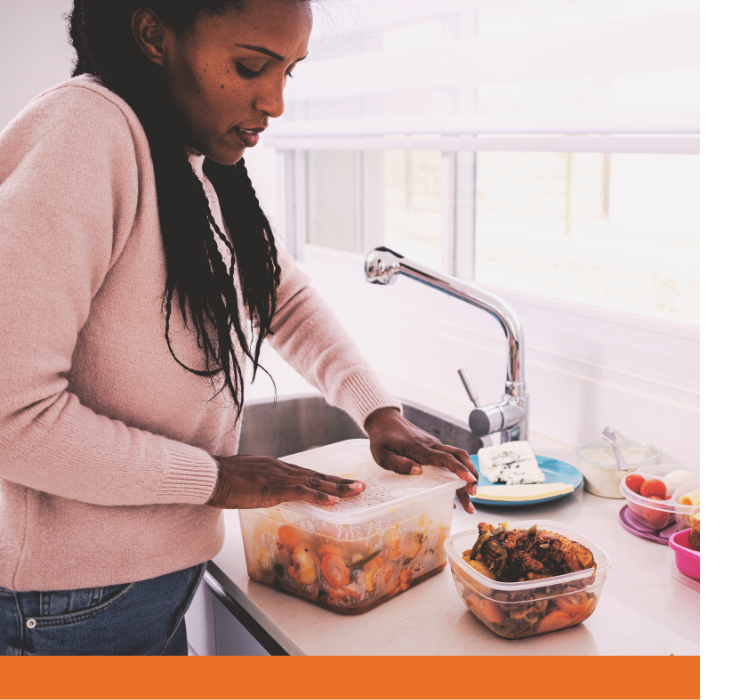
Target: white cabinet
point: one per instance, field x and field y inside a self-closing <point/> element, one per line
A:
<point x="214" y="631"/>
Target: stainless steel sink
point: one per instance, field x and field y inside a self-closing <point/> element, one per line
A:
<point x="298" y="423"/>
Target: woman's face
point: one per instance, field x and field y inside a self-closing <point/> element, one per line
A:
<point x="227" y="74"/>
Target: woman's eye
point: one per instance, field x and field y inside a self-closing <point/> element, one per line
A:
<point x="245" y="71"/>
<point x="288" y="74"/>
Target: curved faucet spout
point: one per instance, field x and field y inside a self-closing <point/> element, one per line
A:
<point x="382" y="265"/>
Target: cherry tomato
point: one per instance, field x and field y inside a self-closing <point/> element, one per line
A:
<point x="634" y="482"/>
<point x="656" y="519"/>
<point x="654" y="487"/>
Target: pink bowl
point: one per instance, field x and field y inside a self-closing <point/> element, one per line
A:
<point x="688" y="560"/>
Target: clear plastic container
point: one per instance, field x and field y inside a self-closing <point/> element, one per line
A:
<point x="601" y="474"/>
<point x="683" y="513"/>
<point x="362" y="551"/>
<point x="528" y="608"/>
<point x="660" y="514"/>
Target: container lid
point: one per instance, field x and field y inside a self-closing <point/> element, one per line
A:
<point x="456" y="544"/>
<point x="599" y="453"/>
<point x="385" y="490"/>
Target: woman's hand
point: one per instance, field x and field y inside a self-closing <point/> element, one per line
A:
<point x="261" y="482"/>
<point x="399" y="446"/>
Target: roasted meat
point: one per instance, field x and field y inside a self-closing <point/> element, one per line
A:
<point x="526" y="555"/>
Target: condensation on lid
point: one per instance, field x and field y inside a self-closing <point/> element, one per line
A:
<point x="351" y="459"/>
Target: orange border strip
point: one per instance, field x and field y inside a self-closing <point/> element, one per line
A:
<point x="561" y="677"/>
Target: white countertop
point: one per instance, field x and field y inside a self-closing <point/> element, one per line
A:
<point x="643" y="610"/>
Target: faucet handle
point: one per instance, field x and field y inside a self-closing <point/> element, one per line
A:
<point x="469" y="386"/>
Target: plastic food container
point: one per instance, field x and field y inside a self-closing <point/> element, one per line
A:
<point x="601" y="475"/>
<point x="660" y="514"/>
<point x="688" y="561"/>
<point x="362" y="551"/>
<point x="683" y="513"/>
<point x="527" y="608"/>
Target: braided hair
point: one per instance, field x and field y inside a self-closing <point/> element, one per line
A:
<point x="100" y="31"/>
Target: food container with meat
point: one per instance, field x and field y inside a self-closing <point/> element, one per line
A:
<point x="363" y="550"/>
<point x="529" y="577"/>
<point x="660" y="494"/>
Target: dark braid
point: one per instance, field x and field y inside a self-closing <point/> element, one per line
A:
<point x="100" y="31"/>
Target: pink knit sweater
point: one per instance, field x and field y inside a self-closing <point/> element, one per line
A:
<point x="105" y="441"/>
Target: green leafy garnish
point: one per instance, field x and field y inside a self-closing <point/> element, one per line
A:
<point x="359" y="564"/>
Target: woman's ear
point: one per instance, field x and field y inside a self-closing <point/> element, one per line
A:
<point x="149" y="34"/>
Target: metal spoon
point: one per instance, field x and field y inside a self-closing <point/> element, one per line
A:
<point x="610" y="436"/>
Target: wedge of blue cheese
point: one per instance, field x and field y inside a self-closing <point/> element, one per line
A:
<point x="510" y="463"/>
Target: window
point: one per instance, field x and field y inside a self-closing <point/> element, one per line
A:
<point x="618" y="231"/>
<point x="522" y="145"/>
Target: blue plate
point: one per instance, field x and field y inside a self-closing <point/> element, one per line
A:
<point x="554" y="470"/>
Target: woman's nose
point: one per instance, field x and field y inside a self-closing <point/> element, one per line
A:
<point x="270" y="99"/>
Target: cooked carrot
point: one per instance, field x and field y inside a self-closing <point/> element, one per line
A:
<point x="572" y="604"/>
<point x="332" y="550"/>
<point x="388" y="581"/>
<point x="395" y="545"/>
<point x="415" y="552"/>
<point x="492" y="612"/>
<point x="584" y="614"/>
<point x="335" y="571"/>
<point x="288" y="535"/>
<point x="556" y="620"/>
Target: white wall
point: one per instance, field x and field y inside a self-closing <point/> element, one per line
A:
<point x="643" y="378"/>
<point x="34" y="51"/>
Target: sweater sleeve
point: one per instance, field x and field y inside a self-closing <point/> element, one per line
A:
<point x="68" y="200"/>
<point x="310" y="338"/>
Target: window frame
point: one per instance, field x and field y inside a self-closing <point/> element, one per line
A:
<point x="651" y="354"/>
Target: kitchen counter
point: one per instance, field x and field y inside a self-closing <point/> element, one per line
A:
<point x="643" y="610"/>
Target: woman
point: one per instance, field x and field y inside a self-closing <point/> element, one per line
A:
<point x="133" y="251"/>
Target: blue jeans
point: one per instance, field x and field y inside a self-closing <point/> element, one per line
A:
<point x="141" y="618"/>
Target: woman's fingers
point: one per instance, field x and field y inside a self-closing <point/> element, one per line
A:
<point x="318" y="483"/>
<point x="301" y="471"/>
<point x="463" y="457"/>
<point x="272" y="495"/>
<point x="463" y="498"/>
<point x="440" y="457"/>
<point x="397" y="463"/>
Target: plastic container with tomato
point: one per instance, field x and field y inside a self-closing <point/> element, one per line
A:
<point x="528" y="608"/>
<point x="651" y="510"/>
<point x="362" y="551"/>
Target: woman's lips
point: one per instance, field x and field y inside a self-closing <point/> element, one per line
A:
<point x="249" y="137"/>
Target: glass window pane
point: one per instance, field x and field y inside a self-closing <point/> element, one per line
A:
<point x="332" y="199"/>
<point x="413" y="205"/>
<point x="616" y="231"/>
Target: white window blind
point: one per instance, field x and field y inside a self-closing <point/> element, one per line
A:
<point x="603" y="76"/>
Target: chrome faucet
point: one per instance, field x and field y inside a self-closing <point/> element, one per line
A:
<point x="510" y="415"/>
